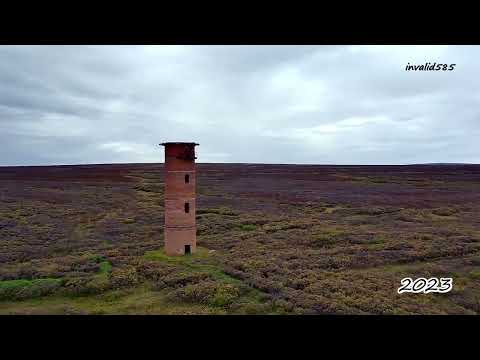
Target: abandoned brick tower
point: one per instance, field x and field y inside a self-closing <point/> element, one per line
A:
<point x="180" y="225"/>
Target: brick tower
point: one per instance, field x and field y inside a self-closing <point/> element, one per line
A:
<point x="180" y="225"/>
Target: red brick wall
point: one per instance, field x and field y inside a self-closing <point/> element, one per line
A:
<point x="178" y="238"/>
<point x="175" y="212"/>
<point x="175" y="185"/>
<point x="180" y="227"/>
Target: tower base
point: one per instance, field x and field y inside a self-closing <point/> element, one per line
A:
<point x="178" y="242"/>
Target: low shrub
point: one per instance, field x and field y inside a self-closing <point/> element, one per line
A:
<point x="475" y="261"/>
<point x="324" y="240"/>
<point x="444" y="211"/>
<point x="251" y="308"/>
<point x="270" y="228"/>
<point x="123" y="277"/>
<point x="86" y="286"/>
<point x="218" y="211"/>
<point x="475" y="274"/>
<point x="180" y="279"/>
<point x="24" y="289"/>
<point x="97" y="258"/>
<point x="154" y="270"/>
<point x="208" y="293"/>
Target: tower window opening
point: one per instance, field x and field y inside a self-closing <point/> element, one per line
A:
<point x="187" y="207"/>
<point x="187" y="179"/>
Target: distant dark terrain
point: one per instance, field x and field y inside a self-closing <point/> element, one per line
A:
<point x="274" y="239"/>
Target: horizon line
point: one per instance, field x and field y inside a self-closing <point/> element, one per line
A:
<point x="241" y="163"/>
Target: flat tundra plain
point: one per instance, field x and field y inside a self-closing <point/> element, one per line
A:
<point x="273" y="239"/>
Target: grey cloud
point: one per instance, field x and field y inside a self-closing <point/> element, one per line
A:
<point x="272" y="104"/>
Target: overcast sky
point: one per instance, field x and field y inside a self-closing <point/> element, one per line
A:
<point x="257" y="104"/>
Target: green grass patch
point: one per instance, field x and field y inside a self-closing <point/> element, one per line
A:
<point x="327" y="237"/>
<point x="198" y="262"/>
<point x="247" y="227"/>
<point x="13" y="284"/>
<point x="105" y="267"/>
<point x="475" y="274"/>
<point x="21" y="283"/>
<point x="23" y="289"/>
<point x="159" y="255"/>
<point x="376" y="246"/>
<point x="207" y="283"/>
<point x="378" y="240"/>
